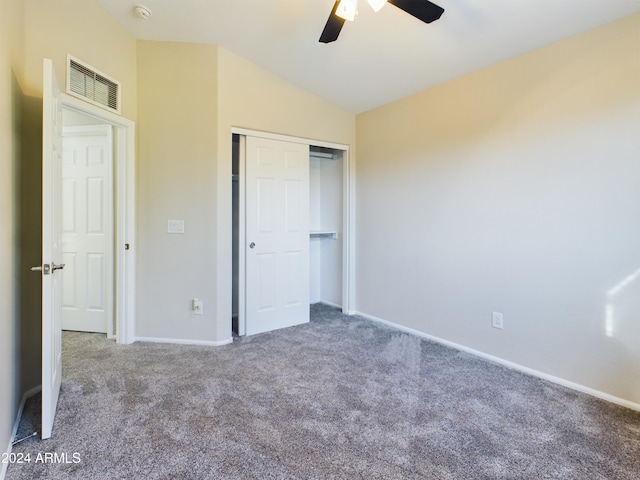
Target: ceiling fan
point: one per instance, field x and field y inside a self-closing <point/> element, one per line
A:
<point x="346" y="10"/>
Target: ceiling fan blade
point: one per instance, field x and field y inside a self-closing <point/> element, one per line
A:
<point x="421" y="9"/>
<point x="333" y="26"/>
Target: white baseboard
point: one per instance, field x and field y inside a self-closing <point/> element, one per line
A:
<point x="330" y="304"/>
<point x="506" y="363"/>
<point x="180" y="341"/>
<point x="27" y="395"/>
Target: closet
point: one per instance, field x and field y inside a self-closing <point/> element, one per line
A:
<point x="319" y="213"/>
<point x="325" y="225"/>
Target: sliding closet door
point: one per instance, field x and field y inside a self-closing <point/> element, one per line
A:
<point x="277" y="234"/>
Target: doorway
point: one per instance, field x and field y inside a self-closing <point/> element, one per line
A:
<point x="114" y="301"/>
<point x="87" y="224"/>
<point x="328" y="216"/>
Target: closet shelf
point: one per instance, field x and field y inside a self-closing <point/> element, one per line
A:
<point x="324" y="233"/>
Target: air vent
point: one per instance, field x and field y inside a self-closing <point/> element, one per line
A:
<point x="86" y="82"/>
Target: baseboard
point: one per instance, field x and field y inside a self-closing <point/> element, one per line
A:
<point x="329" y="304"/>
<point x="180" y="341"/>
<point x="507" y="363"/>
<point x="27" y="395"/>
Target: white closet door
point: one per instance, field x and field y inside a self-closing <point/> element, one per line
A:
<point x="277" y="234"/>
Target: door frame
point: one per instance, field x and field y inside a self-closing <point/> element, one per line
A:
<point x="348" y="218"/>
<point x="124" y="194"/>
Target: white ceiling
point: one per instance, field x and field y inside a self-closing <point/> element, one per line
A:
<point x="381" y="56"/>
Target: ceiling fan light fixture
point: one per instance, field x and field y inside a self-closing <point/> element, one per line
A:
<point x="377" y="4"/>
<point x="347" y="9"/>
<point x="342" y="10"/>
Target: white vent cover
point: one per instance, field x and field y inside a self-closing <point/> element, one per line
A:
<point x="86" y="82"/>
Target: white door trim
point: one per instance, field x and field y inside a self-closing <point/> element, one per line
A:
<point x="348" y="232"/>
<point x="288" y="138"/>
<point x="124" y="213"/>
<point x="349" y="216"/>
<point x="242" y="238"/>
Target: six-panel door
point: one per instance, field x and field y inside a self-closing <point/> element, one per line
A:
<point x="277" y="234"/>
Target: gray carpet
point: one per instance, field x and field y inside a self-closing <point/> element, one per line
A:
<point x="339" y="398"/>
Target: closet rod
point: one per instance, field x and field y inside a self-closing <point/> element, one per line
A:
<point x="323" y="155"/>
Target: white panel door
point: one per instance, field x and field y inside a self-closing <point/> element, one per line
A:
<point x="87" y="221"/>
<point x="277" y="234"/>
<point x="51" y="248"/>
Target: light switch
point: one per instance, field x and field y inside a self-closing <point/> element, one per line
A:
<point x="175" y="226"/>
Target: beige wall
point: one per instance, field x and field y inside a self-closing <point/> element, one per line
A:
<point x="514" y="189"/>
<point x="10" y="106"/>
<point x="177" y="152"/>
<point x="189" y="98"/>
<point x="83" y="29"/>
<point x="30" y="30"/>
<point x="52" y="29"/>
<point x="252" y="98"/>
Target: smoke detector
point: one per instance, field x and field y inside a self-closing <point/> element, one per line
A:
<point x="142" y="11"/>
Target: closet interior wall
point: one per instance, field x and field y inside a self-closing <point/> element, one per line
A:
<point x="235" y="192"/>
<point x="325" y="225"/>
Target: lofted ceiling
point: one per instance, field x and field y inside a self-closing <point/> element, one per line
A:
<point x="378" y="58"/>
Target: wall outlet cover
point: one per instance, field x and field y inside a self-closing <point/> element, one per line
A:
<point x="175" y="226"/>
<point x="197" y="306"/>
<point x="496" y="320"/>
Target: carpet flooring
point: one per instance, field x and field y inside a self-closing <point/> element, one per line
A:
<point x="338" y="398"/>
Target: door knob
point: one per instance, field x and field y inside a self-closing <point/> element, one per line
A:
<point x="45" y="269"/>
<point x="251" y="245"/>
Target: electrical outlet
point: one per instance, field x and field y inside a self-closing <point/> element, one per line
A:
<point x="175" y="226"/>
<point x="496" y="320"/>
<point x="196" y="306"/>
